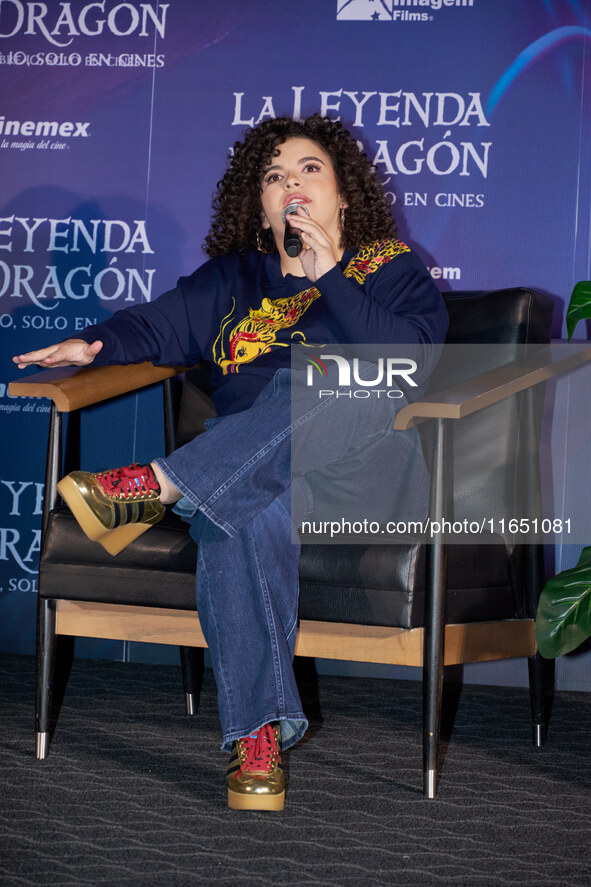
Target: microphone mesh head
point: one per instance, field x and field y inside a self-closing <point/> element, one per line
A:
<point x="292" y="208"/>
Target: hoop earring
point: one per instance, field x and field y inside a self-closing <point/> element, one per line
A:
<point x="261" y="246"/>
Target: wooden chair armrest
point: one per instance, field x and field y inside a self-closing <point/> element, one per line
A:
<point x="71" y="388"/>
<point x="472" y="395"/>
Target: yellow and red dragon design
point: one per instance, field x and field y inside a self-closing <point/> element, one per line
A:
<point x="256" y="334"/>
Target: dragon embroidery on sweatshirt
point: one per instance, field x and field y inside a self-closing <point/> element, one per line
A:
<point x="256" y="334"/>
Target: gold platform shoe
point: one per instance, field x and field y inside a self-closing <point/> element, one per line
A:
<point x="255" y="777"/>
<point x="114" y="507"/>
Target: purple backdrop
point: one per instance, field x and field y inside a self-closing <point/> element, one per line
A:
<point x="116" y="121"/>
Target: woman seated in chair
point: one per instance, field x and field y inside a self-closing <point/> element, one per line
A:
<point x="340" y="276"/>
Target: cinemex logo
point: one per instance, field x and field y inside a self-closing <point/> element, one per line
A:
<point x="43" y="128"/>
<point x="368" y="376"/>
<point x="59" y="23"/>
<point x="394" y="10"/>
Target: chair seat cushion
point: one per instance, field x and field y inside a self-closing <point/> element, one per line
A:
<point x="385" y="584"/>
<point x="361" y="584"/>
<point x="157" y="570"/>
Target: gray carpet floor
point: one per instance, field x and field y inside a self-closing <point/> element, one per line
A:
<point x="133" y="790"/>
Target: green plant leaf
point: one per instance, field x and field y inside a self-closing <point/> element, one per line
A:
<point x="579" y="307"/>
<point x="564" y="612"/>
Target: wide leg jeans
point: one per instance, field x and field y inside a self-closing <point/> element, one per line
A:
<point x="238" y="478"/>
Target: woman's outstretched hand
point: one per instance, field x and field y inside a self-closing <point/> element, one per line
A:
<point x="72" y="352"/>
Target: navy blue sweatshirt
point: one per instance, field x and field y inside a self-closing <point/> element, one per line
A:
<point x="239" y="313"/>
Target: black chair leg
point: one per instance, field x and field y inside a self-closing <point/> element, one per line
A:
<point x="46" y="649"/>
<point x="192" y="671"/>
<point x="433" y="675"/>
<point x="434" y="634"/>
<point x="536" y="692"/>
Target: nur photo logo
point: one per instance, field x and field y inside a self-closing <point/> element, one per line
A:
<point x="387" y="372"/>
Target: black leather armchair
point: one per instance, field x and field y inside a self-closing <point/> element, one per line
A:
<point x="408" y="603"/>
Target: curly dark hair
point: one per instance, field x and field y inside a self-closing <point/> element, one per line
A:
<point x="237" y="204"/>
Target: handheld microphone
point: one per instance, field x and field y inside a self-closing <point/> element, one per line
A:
<point x="292" y="242"/>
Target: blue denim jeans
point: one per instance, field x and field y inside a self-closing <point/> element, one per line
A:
<point x="236" y="481"/>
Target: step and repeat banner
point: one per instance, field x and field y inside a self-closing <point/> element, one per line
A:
<point x="116" y="122"/>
